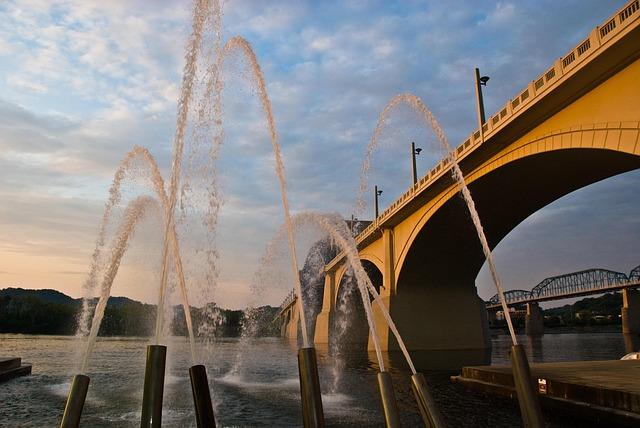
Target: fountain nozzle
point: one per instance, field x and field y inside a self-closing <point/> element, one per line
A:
<point x="75" y="402"/>
<point x="430" y="413"/>
<point x="201" y="397"/>
<point x="388" y="398"/>
<point x="312" y="413"/>
<point x="153" y="386"/>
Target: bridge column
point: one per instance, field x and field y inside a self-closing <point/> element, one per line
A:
<point x="291" y="329"/>
<point x="492" y="316"/>
<point x="534" y="321"/>
<point x="388" y="289"/>
<point x="630" y="311"/>
<point x="323" y="320"/>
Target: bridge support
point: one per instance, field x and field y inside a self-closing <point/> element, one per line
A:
<point x="289" y="328"/>
<point x="492" y="317"/>
<point x="324" y="318"/>
<point x="534" y="321"/>
<point x="630" y="311"/>
<point x="448" y="330"/>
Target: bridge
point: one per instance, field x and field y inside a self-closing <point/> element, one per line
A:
<point x="575" y="124"/>
<point x="575" y="284"/>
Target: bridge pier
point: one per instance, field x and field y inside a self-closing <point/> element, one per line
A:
<point x="325" y="317"/>
<point x="534" y="320"/>
<point x="444" y="327"/>
<point x="492" y="317"/>
<point x="630" y="311"/>
<point x="290" y="328"/>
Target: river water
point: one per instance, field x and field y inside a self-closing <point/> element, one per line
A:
<point x="256" y="383"/>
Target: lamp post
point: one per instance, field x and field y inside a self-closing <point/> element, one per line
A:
<point x="377" y="193"/>
<point x="480" y="82"/>
<point x="414" y="151"/>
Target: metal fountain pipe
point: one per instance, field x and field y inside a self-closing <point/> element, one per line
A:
<point x="201" y="397"/>
<point x="388" y="398"/>
<point x="527" y="396"/>
<point x="153" y="386"/>
<point x="312" y="413"/>
<point x="430" y="413"/>
<point x="75" y="402"/>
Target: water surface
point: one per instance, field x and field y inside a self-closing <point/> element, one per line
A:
<point x="256" y="383"/>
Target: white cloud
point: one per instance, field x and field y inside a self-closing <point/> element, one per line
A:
<point x="112" y="72"/>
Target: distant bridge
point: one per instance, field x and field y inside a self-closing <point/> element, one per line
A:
<point x="575" y="284"/>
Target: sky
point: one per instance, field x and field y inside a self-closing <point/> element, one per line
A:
<point x="82" y="82"/>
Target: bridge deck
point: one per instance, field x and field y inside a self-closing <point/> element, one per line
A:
<point x="606" y="390"/>
<point x="608" y="47"/>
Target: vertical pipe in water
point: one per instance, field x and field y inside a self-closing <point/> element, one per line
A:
<point x="201" y="397"/>
<point x="75" y="402"/>
<point x="388" y="398"/>
<point x="430" y="413"/>
<point x="153" y="386"/>
<point x="312" y="413"/>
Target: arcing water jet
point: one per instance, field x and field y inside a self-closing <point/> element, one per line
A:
<point x="336" y="228"/>
<point x="528" y="400"/>
<point x="125" y="230"/>
<point x="416" y="104"/>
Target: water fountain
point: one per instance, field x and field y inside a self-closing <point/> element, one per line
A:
<point x="166" y="203"/>
<point x="529" y="405"/>
<point x="339" y="234"/>
<point x="156" y="353"/>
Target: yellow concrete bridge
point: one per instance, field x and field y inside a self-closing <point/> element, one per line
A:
<point x="576" y="124"/>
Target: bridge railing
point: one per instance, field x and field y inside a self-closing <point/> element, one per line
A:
<point x="291" y="297"/>
<point x="565" y="65"/>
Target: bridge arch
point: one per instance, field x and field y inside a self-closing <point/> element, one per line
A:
<point x="438" y="259"/>
<point x="350" y="329"/>
<point x="364" y="258"/>
<point x="597" y="146"/>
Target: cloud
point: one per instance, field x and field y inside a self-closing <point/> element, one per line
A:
<point x="83" y="81"/>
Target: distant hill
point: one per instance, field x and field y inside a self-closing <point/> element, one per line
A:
<point x="46" y="295"/>
<point x="604" y="309"/>
<point x="52" y="312"/>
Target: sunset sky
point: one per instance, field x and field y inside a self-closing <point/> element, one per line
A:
<point x="81" y="82"/>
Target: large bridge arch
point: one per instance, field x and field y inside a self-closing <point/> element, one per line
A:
<point x="437" y="264"/>
<point x="589" y="152"/>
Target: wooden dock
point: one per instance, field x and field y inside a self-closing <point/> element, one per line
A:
<point x="12" y="367"/>
<point x="605" y="392"/>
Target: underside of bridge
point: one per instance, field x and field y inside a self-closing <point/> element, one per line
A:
<point x="439" y="271"/>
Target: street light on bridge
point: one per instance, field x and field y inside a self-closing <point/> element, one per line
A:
<point x="414" y="151"/>
<point x="480" y="82"/>
<point x="377" y="193"/>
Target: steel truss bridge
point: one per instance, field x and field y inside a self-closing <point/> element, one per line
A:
<point x="591" y="281"/>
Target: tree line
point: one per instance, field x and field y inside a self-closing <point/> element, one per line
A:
<point x="51" y="312"/>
